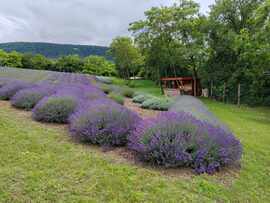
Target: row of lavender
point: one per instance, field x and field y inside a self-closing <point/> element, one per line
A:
<point x="171" y="140"/>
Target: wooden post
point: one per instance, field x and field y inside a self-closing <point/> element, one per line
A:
<point x="195" y="87"/>
<point x="224" y="93"/>
<point x="239" y="95"/>
<point x="161" y="86"/>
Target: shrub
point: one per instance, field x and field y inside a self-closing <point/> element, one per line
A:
<point x="10" y="89"/>
<point x="117" y="98"/>
<point x="106" y="80"/>
<point x="131" y="84"/>
<point x="86" y="92"/>
<point x="197" y="109"/>
<point x="3" y="81"/>
<point x="103" y="122"/>
<point x="94" y="93"/>
<point x="127" y="92"/>
<point x="54" y="109"/>
<point x="141" y="98"/>
<point x="179" y="139"/>
<point x="157" y="104"/>
<point x="106" y="88"/>
<point x="29" y="97"/>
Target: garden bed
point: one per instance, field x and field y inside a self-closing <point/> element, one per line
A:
<point x="122" y="155"/>
<point x="144" y="113"/>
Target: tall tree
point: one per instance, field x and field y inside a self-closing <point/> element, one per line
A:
<point x="70" y="63"/>
<point x="127" y="57"/>
<point x="97" y="65"/>
<point x="235" y="47"/>
<point x="172" y="39"/>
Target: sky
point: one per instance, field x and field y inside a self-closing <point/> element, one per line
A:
<point x="91" y="22"/>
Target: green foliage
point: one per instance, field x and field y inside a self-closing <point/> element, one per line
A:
<point x="162" y="104"/>
<point x="127" y="57"/>
<point x="106" y="88"/>
<point x="171" y="39"/>
<point x="12" y="59"/>
<point x="97" y="65"/>
<point x="140" y="98"/>
<point x="38" y="61"/>
<point x="117" y="98"/>
<point x="71" y="63"/>
<point x="238" y="44"/>
<point x="127" y="92"/>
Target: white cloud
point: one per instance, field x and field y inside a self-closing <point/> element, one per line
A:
<point x="72" y="21"/>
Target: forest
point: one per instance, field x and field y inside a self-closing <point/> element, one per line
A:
<point x="52" y="50"/>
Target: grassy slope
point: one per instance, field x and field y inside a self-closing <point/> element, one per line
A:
<point x="41" y="164"/>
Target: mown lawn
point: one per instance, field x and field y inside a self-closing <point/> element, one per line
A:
<point x="39" y="163"/>
<point x="144" y="86"/>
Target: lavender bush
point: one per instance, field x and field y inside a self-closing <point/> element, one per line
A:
<point x="140" y="98"/>
<point x="11" y="88"/>
<point x="103" y="122"/>
<point x="117" y="98"/>
<point x="179" y="139"/>
<point x="197" y="109"/>
<point x="154" y="103"/>
<point x="54" y="109"/>
<point x="3" y="81"/>
<point x="127" y="92"/>
<point x="29" y="97"/>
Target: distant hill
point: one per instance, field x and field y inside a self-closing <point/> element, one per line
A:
<point x="52" y="50"/>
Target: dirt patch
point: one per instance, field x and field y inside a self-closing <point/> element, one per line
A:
<point x="144" y="113"/>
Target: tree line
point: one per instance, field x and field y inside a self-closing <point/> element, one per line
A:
<point x="95" y="65"/>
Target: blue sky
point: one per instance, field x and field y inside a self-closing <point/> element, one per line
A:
<point x="73" y="21"/>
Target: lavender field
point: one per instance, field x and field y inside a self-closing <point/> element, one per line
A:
<point x="186" y="137"/>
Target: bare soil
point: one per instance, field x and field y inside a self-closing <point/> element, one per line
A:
<point x="144" y="113"/>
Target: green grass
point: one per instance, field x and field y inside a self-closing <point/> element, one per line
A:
<point x="41" y="164"/>
<point x="144" y="86"/>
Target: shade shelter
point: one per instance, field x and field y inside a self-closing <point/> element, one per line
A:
<point x="173" y="86"/>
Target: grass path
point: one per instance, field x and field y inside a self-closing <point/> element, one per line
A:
<point x="39" y="163"/>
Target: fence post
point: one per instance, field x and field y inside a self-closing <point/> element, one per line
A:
<point x="239" y="95"/>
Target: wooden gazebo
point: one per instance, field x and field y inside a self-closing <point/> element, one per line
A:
<point x="181" y="86"/>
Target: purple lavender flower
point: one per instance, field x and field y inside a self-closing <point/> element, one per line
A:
<point x="179" y="139"/>
<point x="3" y="81"/>
<point x="13" y="86"/>
<point x="103" y="122"/>
<point x="54" y="109"/>
<point x="29" y="97"/>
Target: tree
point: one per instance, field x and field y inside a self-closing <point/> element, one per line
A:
<point x="70" y="63"/>
<point x="41" y="62"/>
<point x="172" y="39"/>
<point x="3" y="58"/>
<point x="97" y="65"/>
<point x="127" y="57"/>
<point x="237" y="49"/>
<point x="12" y="59"/>
<point x="27" y="61"/>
